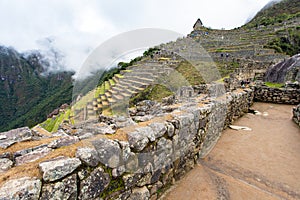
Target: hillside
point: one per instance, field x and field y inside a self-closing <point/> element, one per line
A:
<point x="276" y="13"/>
<point x="26" y="95"/>
<point x="251" y="48"/>
<point x="134" y="130"/>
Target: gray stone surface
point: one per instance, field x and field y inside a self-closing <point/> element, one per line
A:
<point x="88" y="156"/>
<point x="94" y="185"/>
<point x="146" y="131"/>
<point x="64" y="141"/>
<point x="109" y="152"/>
<point x="118" y="171"/>
<point x="140" y="194"/>
<point x="139" y="138"/>
<point x="86" y="136"/>
<point x="28" y="150"/>
<point x="296" y="114"/>
<point x="277" y="95"/>
<point x="58" y="168"/>
<point x="99" y="128"/>
<point x="170" y="129"/>
<point x="23" y="188"/>
<point x="63" y="190"/>
<point x="32" y="156"/>
<point x="5" y="164"/>
<point x="60" y="133"/>
<point x="124" y="122"/>
<point x="15" y="135"/>
<point x="130" y="180"/>
<point x="159" y="129"/>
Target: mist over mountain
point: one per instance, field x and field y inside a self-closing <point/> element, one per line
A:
<point x="28" y="89"/>
<point x="33" y="83"/>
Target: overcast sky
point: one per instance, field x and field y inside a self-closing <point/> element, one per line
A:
<point x="79" y="26"/>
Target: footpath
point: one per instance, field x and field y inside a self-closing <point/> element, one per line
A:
<point x="263" y="163"/>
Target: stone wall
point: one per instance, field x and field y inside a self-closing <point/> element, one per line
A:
<point x="139" y="161"/>
<point x="277" y="95"/>
<point x="296" y="114"/>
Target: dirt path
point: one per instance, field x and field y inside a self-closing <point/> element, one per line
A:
<point x="260" y="164"/>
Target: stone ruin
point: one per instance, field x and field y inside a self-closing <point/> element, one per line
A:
<point x="185" y="93"/>
<point x="116" y="157"/>
<point x="137" y="157"/>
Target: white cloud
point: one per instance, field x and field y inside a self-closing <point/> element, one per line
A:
<point x="79" y="26"/>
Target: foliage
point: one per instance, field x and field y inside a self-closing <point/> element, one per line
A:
<point x="277" y="13"/>
<point x="115" y="184"/>
<point x="150" y="51"/>
<point x="26" y="95"/>
<point x="274" y="85"/>
<point x="288" y="43"/>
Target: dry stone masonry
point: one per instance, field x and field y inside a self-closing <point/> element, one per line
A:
<point x="296" y="114"/>
<point x="277" y="95"/>
<point x="151" y="156"/>
<point x="139" y="156"/>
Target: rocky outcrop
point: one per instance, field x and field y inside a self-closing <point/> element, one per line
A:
<point x="287" y="70"/>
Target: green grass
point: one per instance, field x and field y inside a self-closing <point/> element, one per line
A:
<point x="67" y="114"/>
<point x="84" y="100"/>
<point x="222" y="79"/>
<point x="59" y="120"/>
<point x="52" y="124"/>
<point x="274" y="85"/>
<point x="152" y="92"/>
<point x="106" y="85"/>
<point x="112" y="82"/>
<point x="119" y="76"/>
<point x="100" y="90"/>
<point x="190" y="73"/>
<point x="48" y="124"/>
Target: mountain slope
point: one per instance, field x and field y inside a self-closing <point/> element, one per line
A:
<point x="26" y="96"/>
<point x="276" y="13"/>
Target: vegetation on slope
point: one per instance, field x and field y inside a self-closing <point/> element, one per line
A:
<point x="287" y="41"/>
<point x="152" y="92"/>
<point x="277" y="13"/>
<point x="27" y="96"/>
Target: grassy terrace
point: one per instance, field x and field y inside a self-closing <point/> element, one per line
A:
<point x="52" y="124"/>
<point x="274" y="85"/>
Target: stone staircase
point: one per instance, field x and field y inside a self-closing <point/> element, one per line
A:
<point x="220" y="46"/>
<point x="120" y="88"/>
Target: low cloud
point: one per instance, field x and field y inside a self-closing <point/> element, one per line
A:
<point x="74" y="28"/>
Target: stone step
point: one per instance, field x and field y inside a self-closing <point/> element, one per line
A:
<point x="115" y="79"/>
<point x="105" y="104"/>
<point x="140" y="79"/>
<point x="124" y="92"/>
<point x="103" y="97"/>
<point x="111" y="99"/>
<point x="118" y="97"/>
